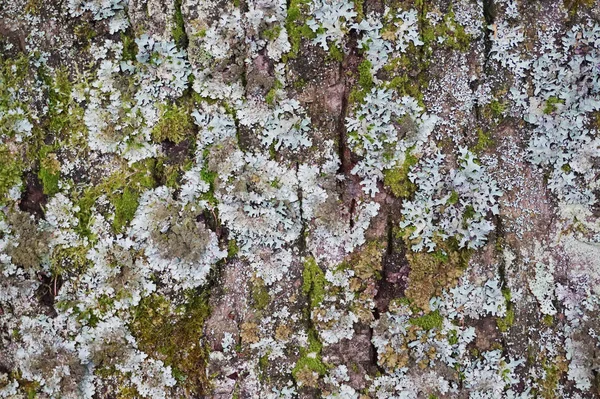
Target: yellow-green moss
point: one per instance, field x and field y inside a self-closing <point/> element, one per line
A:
<point x="172" y="335"/>
<point x="296" y="27"/>
<point x="125" y="206"/>
<point x="175" y="124"/>
<point x="484" y="141"/>
<point x="430" y="272"/>
<point x="506" y="322"/>
<point x="310" y="359"/>
<point x="10" y="171"/>
<point x="551" y="104"/>
<point x="313" y="282"/>
<point x="178" y="29"/>
<point x="397" y="179"/>
<point x="260" y="294"/>
<point x="428" y="321"/>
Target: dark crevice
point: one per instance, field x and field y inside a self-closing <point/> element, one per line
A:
<point x="348" y="64"/>
<point x="489" y="13"/>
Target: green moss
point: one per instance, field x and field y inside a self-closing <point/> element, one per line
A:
<point x="271" y="33"/>
<point x="178" y="30"/>
<point x="548" y="320"/>
<point x="453" y="198"/>
<point x="232" y="249"/>
<point x="271" y="95"/>
<point x="428" y="321"/>
<point x="310" y="358"/>
<point x="551" y="104"/>
<point x="497" y="108"/>
<point x="295" y="25"/>
<point x="397" y="179"/>
<point x="175" y="124"/>
<point x="11" y="170"/>
<point x="484" y="141"/>
<point x="125" y="206"/>
<point x="365" y="77"/>
<point x="260" y="295"/>
<point x="452" y="337"/>
<point x="335" y="53"/>
<point x="431" y="272"/>
<point x="49" y="173"/>
<point x="313" y="282"/>
<point x="172" y="335"/>
<point x="129" y="47"/>
<point x="504" y="323"/>
<point x="85" y="33"/>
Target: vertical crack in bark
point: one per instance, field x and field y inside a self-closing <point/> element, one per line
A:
<point x="489" y="13"/>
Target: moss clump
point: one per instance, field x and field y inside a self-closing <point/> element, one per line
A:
<point x="484" y="141"/>
<point x="271" y="33"/>
<point x="260" y="294"/>
<point x="428" y="321"/>
<point x="175" y="124"/>
<point x="335" y="53"/>
<point x="310" y="365"/>
<point x="129" y="47"/>
<point x="295" y="25"/>
<point x="496" y="109"/>
<point x="551" y="104"/>
<point x="49" y="173"/>
<point x="397" y="179"/>
<point x="271" y="95"/>
<point x="553" y="372"/>
<point x="178" y="30"/>
<point x="431" y="272"/>
<point x="506" y="322"/>
<point x="172" y="335"/>
<point x="125" y="206"/>
<point x="313" y="282"/>
<point x="10" y="172"/>
<point x="365" y="77"/>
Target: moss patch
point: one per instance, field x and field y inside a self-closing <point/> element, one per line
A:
<point x="172" y="335"/>
<point x="175" y="124"/>
<point x="430" y="272"/>
<point x="397" y="179"/>
<point x="313" y="282"/>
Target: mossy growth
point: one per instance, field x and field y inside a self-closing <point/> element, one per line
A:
<point x="313" y="282"/>
<point x="11" y="170"/>
<point x="232" y="249"/>
<point x="68" y="261"/>
<point x="428" y="321"/>
<point x="178" y="29"/>
<point x="484" y="141"/>
<point x="272" y="94"/>
<point x="365" y="77"/>
<point x="122" y="189"/>
<point x="310" y="365"/>
<point x="430" y="272"/>
<point x="551" y="104"/>
<point x="172" y="335"/>
<point x="260" y="294"/>
<point x="175" y="124"/>
<point x="335" y="53"/>
<point x="129" y="47"/>
<point x="271" y="33"/>
<point x="125" y="206"/>
<point x="296" y="27"/>
<point x="553" y="372"/>
<point x="49" y="173"/>
<point x="495" y="109"/>
<point x="397" y="179"/>
<point x="506" y="322"/>
<point x="574" y="5"/>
